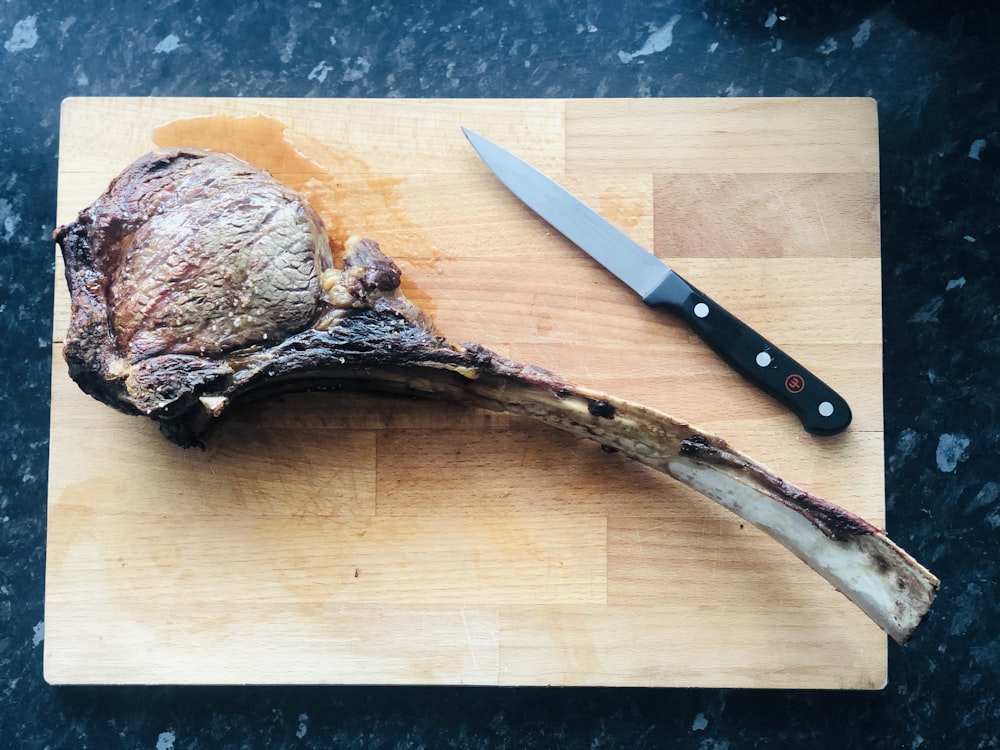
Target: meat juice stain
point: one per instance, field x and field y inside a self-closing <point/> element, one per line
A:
<point x="349" y="197"/>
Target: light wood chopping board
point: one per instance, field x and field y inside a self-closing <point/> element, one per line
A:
<point x="331" y="538"/>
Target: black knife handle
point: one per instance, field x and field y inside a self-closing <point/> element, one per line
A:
<point x="820" y="408"/>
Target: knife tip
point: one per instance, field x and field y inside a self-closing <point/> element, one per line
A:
<point x="470" y="134"/>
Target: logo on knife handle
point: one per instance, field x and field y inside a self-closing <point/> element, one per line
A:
<point x="795" y="383"/>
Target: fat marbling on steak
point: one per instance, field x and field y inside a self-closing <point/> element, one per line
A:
<point x="197" y="281"/>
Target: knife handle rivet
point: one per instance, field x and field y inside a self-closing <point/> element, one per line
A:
<point x="763" y="359"/>
<point x="825" y="409"/>
<point x="701" y="310"/>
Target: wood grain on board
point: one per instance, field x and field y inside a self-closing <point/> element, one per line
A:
<point x="334" y="538"/>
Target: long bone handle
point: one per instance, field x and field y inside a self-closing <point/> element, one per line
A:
<point x="856" y="557"/>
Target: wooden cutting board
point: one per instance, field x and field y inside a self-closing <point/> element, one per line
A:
<point x="331" y="538"/>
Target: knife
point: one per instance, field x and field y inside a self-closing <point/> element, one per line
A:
<point x="821" y="410"/>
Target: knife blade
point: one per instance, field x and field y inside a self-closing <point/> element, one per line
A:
<point x="821" y="409"/>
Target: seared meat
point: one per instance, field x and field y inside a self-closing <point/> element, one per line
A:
<point x="197" y="281"/>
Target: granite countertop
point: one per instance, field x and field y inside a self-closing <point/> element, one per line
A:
<point x="932" y="67"/>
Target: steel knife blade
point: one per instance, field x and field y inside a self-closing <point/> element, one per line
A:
<point x="821" y="410"/>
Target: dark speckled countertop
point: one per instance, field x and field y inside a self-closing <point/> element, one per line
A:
<point x="932" y="67"/>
